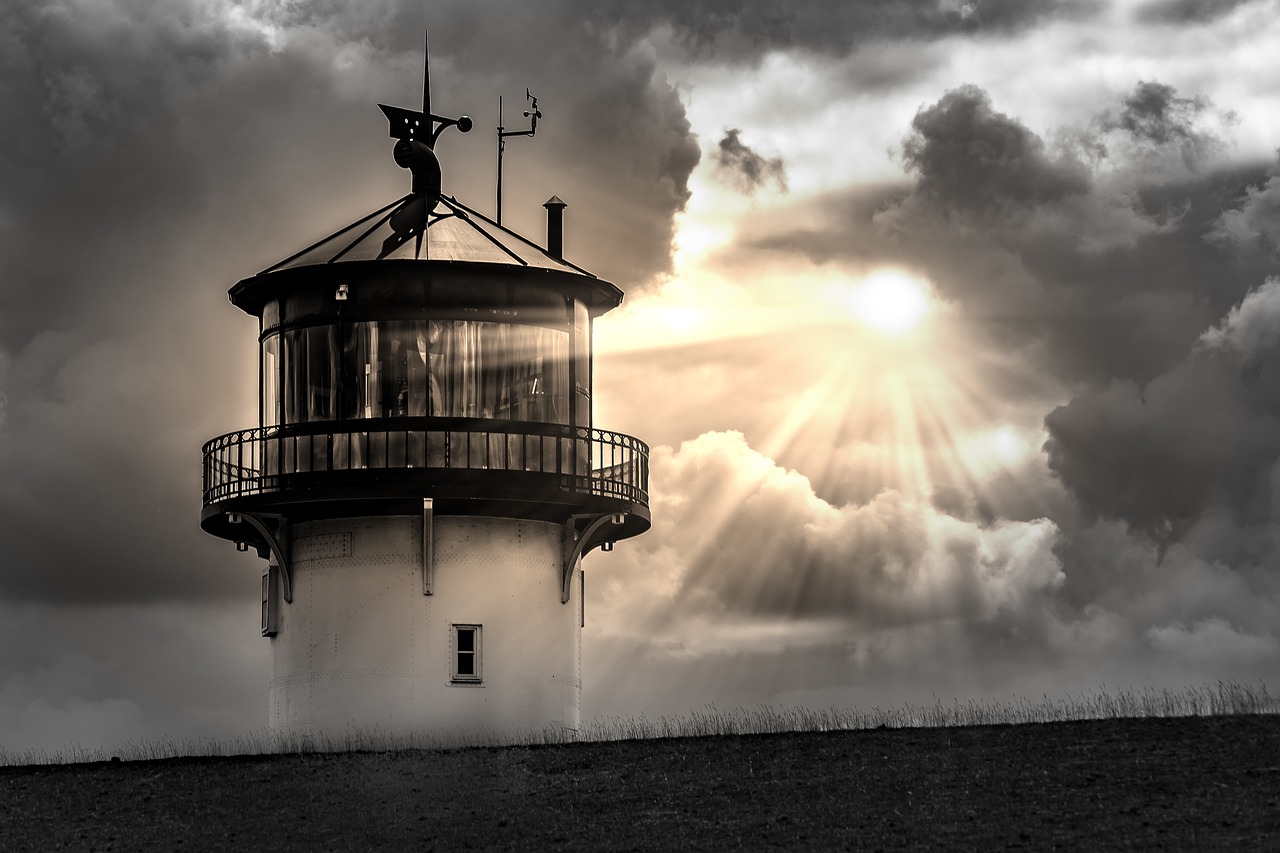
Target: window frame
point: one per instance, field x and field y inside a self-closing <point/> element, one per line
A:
<point x="476" y="677"/>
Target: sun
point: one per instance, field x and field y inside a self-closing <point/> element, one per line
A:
<point x="890" y="301"/>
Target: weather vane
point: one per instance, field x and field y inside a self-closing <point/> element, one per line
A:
<point x="416" y="133"/>
<point x="532" y="114"/>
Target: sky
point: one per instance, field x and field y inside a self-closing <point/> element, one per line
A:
<point x="954" y="328"/>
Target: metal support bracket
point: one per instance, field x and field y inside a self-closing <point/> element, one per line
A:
<point x="575" y="543"/>
<point x="277" y="540"/>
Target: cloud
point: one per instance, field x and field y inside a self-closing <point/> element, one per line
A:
<point x="1255" y="222"/>
<point x="1196" y="439"/>
<point x="754" y="542"/>
<point x="1188" y="11"/>
<point x="1251" y="327"/>
<point x="1154" y="112"/>
<point x="745" y="168"/>
<point x="974" y="160"/>
<point x="105" y="675"/>
<point x="1119" y="455"/>
<point x="746" y="31"/>
<point x="1156" y="121"/>
<point x="1214" y="642"/>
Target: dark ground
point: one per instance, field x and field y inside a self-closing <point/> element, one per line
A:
<point x="1192" y="784"/>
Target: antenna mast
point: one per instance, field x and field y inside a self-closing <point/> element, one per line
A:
<point x="533" y="114"/>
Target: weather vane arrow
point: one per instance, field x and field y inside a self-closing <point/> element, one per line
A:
<point x="417" y="132"/>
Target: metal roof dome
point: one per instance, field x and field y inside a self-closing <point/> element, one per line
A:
<point x="453" y="232"/>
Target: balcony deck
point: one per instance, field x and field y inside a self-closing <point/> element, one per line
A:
<point x="466" y="465"/>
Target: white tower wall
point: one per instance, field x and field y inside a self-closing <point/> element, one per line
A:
<point x="362" y="646"/>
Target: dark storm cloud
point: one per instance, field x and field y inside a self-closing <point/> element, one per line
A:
<point x="1155" y="112"/>
<point x="1188" y="11"/>
<point x="105" y="273"/>
<point x="151" y="160"/>
<point x="626" y="150"/>
<point x="1154" y="115"/>
<point x="746" y="31"/>
<point x="1197" y="438"/>
<point x="975" y="160"/>
<point x="1180" y="480"/>
<point x="1255" y="223"/>
<point x="1161" y="454"/>
<point x="745" y="168"/>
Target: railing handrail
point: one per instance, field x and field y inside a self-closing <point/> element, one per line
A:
<point x="585" y="460"/>
<point x="428" y="424"/>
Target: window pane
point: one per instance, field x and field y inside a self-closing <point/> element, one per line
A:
<point x="310" y="360"/>
<point x="466" y="652"/>
<point x="361" y="371"/>
<point x="266" y="599"/>
<point x="466" y="663"/>
<point x="441" y="368"/>
<point x="402" y="372"/>
<point x="293" y="352"/>
<point x="271" y="381"/>
<point x="497" y="370"/>
<point x="581" y="364"/>
<point x="322" y="373"/>
<point x="370" y="403"/>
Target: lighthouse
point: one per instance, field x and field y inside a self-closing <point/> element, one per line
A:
<point x="425" y="478"/>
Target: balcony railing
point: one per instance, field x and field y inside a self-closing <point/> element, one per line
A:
<point x="274" y="459"/>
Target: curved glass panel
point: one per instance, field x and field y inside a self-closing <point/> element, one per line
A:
<point x="498" y="370"/>
<point x="581" y="364"/>
<point x="416" y="368"/>
<point x="310" y="374"/>
<point x="270" y="386"/>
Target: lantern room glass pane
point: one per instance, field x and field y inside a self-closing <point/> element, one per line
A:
<point x="401" y="388"/>
<point x="322" y="373"/>
<point x="417" y="368"/>
<point x="498" y="370"/>
<point x="310" y="374"/>
<point x="271" y="381"/>
<point x="581" y="364"/>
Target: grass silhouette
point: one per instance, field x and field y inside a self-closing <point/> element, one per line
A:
<point x="1223" y="698"/>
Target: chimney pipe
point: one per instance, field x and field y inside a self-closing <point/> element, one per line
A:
<point x="555" y="227"/>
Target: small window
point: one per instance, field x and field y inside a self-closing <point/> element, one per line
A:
<point x="270" y="601"/>
<point x="466" y="654"/>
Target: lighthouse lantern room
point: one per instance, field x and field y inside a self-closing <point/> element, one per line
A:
<point x="425" y="477"/>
